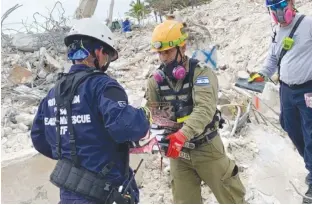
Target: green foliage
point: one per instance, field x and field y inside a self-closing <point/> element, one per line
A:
<point x="165" y="6"/>
<point x="138" y="10"/>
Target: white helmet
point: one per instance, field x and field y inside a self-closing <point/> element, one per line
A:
<point x="95" y="29"/>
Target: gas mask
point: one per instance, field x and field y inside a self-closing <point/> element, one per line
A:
<point x="283" y="16"/>
<point x="173" y="70"/>
<point x="281" y="13"/>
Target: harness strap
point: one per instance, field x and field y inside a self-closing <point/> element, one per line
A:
<point x="284" y="51"/>
<point x="65" y="90"/>
<point x="58" y="133"/>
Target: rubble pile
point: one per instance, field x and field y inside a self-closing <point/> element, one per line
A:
<point x="27" y="75"/>
<point x="29" y="72"/>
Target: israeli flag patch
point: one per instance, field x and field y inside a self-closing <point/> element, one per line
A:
<point x="202" y="81"/>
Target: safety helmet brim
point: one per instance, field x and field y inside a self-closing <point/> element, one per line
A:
<point x="106" y="48"/>
<point x="94" y="29"/>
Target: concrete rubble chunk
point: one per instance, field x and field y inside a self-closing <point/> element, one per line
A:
<point x="26" y="42"/>
<point x="24" y="118"/>
<point x="42" y="73"/>
<point x="22" y="127"/>
<point x="52" y="62"/>
<point x="20" y="75"/>
<point x="7" y="130"/>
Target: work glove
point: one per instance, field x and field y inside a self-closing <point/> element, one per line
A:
<point x="255" y="77"/>
<point x="147" y="113"/>
<point x="176" y="142"/>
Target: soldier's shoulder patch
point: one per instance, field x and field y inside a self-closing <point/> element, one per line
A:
<point x="202" y="80"/>
<point x="122" y="103"/>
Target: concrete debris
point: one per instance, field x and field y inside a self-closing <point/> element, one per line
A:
<point x="20" y="75"/>
<point x="269" y="99"/>
<point x="33" y="42"/>
<point x="53" y="64"/>
<point x="24" y="118"/>
<point x="26" y="42"/>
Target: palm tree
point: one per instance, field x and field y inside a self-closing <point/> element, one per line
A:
<point x="138" y="10"/>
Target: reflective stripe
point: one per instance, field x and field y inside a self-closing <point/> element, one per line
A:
<point x="170" y="97"/>
<point x="173" y="97"/>
<point x="186" y="85"/>
<point x="165" y="87"/>
<point x="182" y="119"/>
<point x="182" y="97"/>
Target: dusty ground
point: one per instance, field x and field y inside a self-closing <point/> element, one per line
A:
<point x="267" y="163"/>
<point x="27" y="182"/>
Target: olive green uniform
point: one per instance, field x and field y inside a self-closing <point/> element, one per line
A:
<point x="209" y="162"/>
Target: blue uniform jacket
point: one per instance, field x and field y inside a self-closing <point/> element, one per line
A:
<point x="101" y="118"/>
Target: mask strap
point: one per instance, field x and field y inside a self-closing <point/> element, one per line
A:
<point x="179" y="53"/>
<point x="81" y="46"/>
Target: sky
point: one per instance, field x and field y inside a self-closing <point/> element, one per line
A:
<point x="31" y="6"/>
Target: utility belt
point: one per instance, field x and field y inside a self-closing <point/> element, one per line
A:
<point x="88" y="184"/>
<point x="211" y="131"/>
<point x="197" y="142"/>
<point x="206" y="139"/>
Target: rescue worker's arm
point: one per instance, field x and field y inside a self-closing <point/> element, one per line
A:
<point x="270" y="66"/>
<point x="123" y="122"/>
<point x="205" y="96"/>
<point x="38" y="135"/>
<point x="151" y="94"/>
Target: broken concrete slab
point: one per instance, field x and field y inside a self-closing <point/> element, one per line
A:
<point x="46" y="58"/>
<point x="24" y="118"/>
<point x="20" y="75"/>
<point x="25" y="42"/>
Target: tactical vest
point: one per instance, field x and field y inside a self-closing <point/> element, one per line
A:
<point x="182" y="100"/>
<point x="68" y="174"/>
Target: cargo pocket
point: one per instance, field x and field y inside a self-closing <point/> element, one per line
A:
<point x="213" y="150"/>
<point x="217" y="144"/>
<point x="233" y="185"/>
<point x="217" y="147"/>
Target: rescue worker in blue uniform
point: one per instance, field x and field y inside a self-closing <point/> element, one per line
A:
<point x="291" y="57"/>
<point x="85" y="123"/>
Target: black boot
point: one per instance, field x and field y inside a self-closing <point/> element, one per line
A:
<point x="307" y="200"/>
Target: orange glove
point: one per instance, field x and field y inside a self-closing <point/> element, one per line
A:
<point x="176" y="143"/>
<point x="255" y="77"/>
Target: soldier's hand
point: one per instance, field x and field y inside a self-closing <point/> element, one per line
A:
<point x="176" y="143"/>
<point x="255" y="77"/>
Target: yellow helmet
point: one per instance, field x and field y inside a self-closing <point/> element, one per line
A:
<point x="167" y="35"/>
